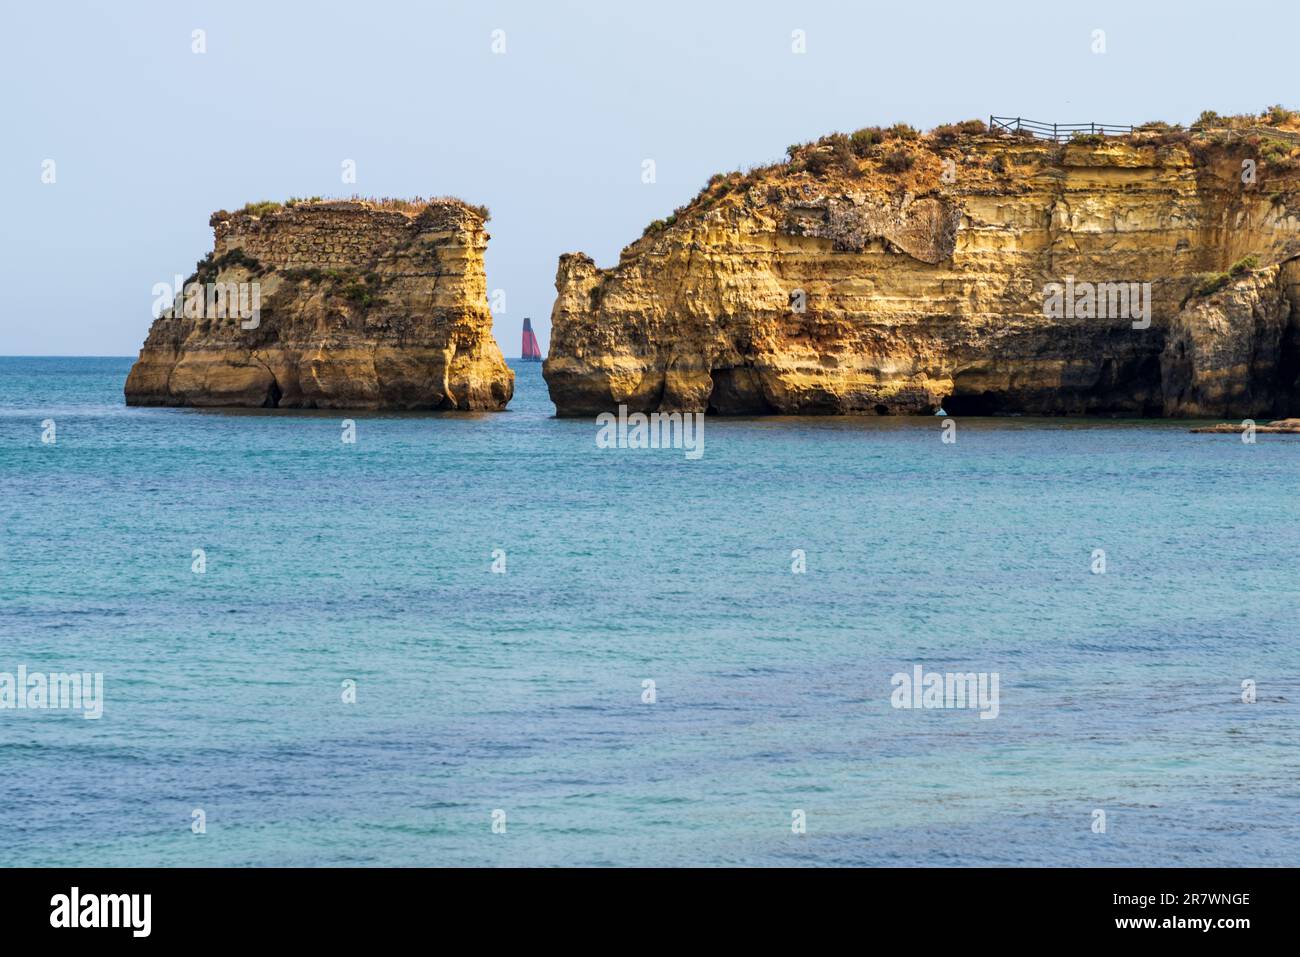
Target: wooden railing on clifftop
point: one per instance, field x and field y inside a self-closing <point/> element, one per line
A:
<point x="1054" y="131"/>
<point x="1065" y="131"/>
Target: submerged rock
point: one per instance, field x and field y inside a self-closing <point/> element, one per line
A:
<point x="1278" y="427"/>
<point x="977" y="273"/>
<point x="339" y="304"/>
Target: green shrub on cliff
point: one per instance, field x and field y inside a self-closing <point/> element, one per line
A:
<point x="204" y="270"/>
<point x="840" y="151"/>
<point x="364" y="291"/>
<point x="1212" y="283"/>
<point x="1215" y="281"/>
<point x="1243" y="265"/>
<point x="359" y="293"/>
<point x="659" y="225"/>
<point x="261" y="209"/>
<point x="237" y="257"/>
<point x="1277" y="115"/>
<point x="864" y="139"/>
<point x="832" y="152"/>
<point x="1276" y="152"/>
<point x="1160" y="133"/>
<point x="828" y="159"/>
<point x="899" y="161"/>
<point x="1164" y="134"/>
<point x="418" y="205"/>
<point x="946" y="134"/>
<point x="949" y="133"/>
<point x="316" y="274"/>
<point x="210" y="266"/>
<point x="817" y="162"/>
<point x="1216" y="121"/>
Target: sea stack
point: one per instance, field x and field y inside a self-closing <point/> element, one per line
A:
<point x="981" y="271"/>
<point x="352" y="304"/>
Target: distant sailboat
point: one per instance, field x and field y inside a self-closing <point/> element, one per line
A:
<point x="531" y="352"/>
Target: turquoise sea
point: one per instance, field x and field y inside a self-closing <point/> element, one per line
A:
<point x="522" y="692"/>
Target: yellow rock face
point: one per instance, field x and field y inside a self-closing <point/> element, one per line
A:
<point x="860" y="288"/>
<point x="361" y="306"/>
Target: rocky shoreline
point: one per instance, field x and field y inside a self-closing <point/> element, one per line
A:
<point x="1276" y="427"/>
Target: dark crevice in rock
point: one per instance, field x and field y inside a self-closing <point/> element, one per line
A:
<point x="273" y="395"/>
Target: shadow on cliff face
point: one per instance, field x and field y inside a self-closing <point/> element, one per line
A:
<point x="738" y="391"/>
<point x="1130" y="386"/>
<point x="974" y="403"/>
<point x="1286" y="402"/>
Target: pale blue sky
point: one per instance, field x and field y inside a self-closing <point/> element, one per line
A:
<point x="150" y="138"/>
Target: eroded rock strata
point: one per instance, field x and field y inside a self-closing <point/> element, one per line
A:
<point x="893" y="273"/>
<point x="362" y="305"/>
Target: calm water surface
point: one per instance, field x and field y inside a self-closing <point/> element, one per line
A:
<point x="523" y="691"/>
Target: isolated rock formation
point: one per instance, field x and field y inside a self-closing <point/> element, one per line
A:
<point x="893" y="273"/>
<point x="1276" y="427"/>
<point x="362" y="305"/>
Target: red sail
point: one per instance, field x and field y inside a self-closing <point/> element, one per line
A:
<point x="531" y="351"/>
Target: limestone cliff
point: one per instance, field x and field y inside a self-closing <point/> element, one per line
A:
<point x="894" y="273"/>
<point x="360" y="305"/>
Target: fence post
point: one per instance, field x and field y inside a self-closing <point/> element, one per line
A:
<point x="1053" y="132"/>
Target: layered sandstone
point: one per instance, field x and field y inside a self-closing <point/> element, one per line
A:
<point x="908" y="274"/>
<point x="363" y="305"/>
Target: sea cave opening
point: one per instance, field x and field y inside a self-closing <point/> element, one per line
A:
<point x="273" y="395"/>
